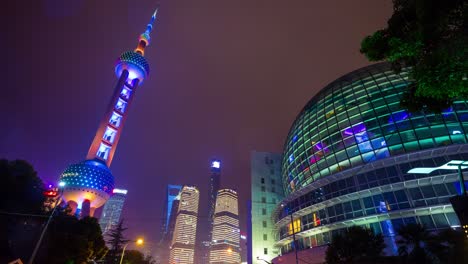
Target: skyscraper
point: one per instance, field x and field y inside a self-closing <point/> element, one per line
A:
<point x="90" y="183"/>
<point x="266" y="193"/>
<point x="215" y="181"/>
<point x="183" y="240"/>
<point x="171" y="207"/>
<point x="112" y="210"/>
<point x="225" y="245"/>
<point x="172" y="193"/>
<point x="206" y="223"/>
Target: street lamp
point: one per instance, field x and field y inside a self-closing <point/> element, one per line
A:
<point x="293" y="231"/>
<point x="459" y="202"/>
<point x="38" y="244"/>
<point x="139" y="242"/>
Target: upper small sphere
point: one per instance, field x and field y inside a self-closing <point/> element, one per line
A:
<point x="134" y="63"/>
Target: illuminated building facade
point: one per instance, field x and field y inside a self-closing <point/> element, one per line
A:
<point x="112" y="210"/>
<point x="266" y="194"/>
<point x="347" y="156"/>
<point x="206" y="223"/>
<point x="89" y="184"/>
<point x="183" y="239"/>
<point x="215" y="181"/>
<point x="225" y="245"/>
<point x="169" y="219"/>
<point x="172" y="194"/>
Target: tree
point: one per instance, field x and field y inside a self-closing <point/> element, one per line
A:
<point x="136" y="257"/>
<point x="22" y="192"/>
<point x="72" y="240"/>
<point x="449" y="246"/>
<point x="355" y="245"/>
<point x="116" y="242"/>
<point x="412" y="239"/>
<point x="22" y="186"/>
<point x="429" y="37"/>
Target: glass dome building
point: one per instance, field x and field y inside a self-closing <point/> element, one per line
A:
<point x="348" y="153"/>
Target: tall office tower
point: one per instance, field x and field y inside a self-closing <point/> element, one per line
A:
<point x="183" y="239"/>
<point x="215" y="182"/>
<point x="267" y="192"/>
<point x="225" y="245"/>
<point x="90" y="183"/>
<point x="172" y="193"/>
<point x="206" y="223"/>
<point x="168" y="224"/>
<point x="112" y="210"/>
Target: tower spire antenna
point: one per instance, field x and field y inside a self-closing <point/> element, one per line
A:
<point x="145" y="38"/>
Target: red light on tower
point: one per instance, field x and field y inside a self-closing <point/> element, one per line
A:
<point x="50" y="193"/>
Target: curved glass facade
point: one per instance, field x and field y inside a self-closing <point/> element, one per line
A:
<point x="347" y="156"/>
<point x="357" y="119"/>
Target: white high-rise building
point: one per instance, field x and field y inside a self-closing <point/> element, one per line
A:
<point x="183" y="240"/>
<point x="267" y="193"/>
<point x="226" y="236"/>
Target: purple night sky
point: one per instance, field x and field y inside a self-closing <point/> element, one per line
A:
<point x="227" y="77"/>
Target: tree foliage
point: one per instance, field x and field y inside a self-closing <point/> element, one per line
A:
<point x="431" y="38"/>
<point x="116" y="241"/>
<point x="355" y="245"/>
<point x="72" y="240"/>
<point x="136" y="257"/>
<point x="22" y="187"/>
<point x="417" y="245"/>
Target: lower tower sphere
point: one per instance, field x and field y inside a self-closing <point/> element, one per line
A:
<point x="88" y="182"/>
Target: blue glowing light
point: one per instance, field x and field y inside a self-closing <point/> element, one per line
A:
<point x="216" y="164"/>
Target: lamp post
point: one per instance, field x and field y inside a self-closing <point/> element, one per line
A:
<point x="139" y="242"/>
<point x="459" y="202"/>
<point x="290" y="213"/>
<point x="38" y="244"/>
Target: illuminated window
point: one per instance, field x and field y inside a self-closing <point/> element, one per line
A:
<point x="103" y="151"/>
<point x="297" y="226"/>
<point x="121" y="105"/>
<point x="109" y="135"/>
<point x="115" y="119"/>
<point x="125" y="93"/>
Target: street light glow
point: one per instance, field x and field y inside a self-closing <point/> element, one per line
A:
<point x="140" y="241"/>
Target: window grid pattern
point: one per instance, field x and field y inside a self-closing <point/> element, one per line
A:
<point x="421" y="196"/>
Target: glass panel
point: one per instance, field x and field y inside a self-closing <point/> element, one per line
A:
<point x="440" y="220"/>
<point x="115" y="119"/>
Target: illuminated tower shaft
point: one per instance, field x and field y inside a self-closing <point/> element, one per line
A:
<point x="89" y="184"/>
<point x="131" y="69"/>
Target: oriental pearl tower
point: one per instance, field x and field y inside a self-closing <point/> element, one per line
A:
<point x="88" y="184"/>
